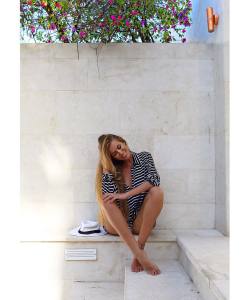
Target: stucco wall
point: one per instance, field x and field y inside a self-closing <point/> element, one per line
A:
<point x="158" y="97"/>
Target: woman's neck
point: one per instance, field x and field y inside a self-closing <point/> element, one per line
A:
<point x="128" y="162"/>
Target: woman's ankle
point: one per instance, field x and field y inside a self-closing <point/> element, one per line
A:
<point x="141" y="245"/>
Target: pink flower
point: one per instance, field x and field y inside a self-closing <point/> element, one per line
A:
<point x="44" y="3"/>
<point x="134" y="12"/>
<point x="33" y="29"/>
<point x="52" y="26"/>
<point x="183" y="30"/>
<point x="127" y="23"/>
<point x="111" y="2"/>
<point x="58" y="5"/>
<point x="63" y="37"/>
<point x="82" y="34"/>
<point x="101" y="24"/>
<point x="113" y="17"/>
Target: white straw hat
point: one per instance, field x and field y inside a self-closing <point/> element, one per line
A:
<point x="89" y="227"/>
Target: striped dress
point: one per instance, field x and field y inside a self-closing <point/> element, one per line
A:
<point x="142" y="169"/>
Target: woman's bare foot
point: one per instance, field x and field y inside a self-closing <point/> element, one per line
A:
<point x="149" y="266"/>
<point x="136" y="266"/>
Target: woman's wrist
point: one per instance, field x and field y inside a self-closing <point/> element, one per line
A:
<point x="128" y="194"/>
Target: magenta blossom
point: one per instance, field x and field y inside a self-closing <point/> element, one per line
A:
<point x="52" y="26"/>
<point x="82" y="34"/>
<point x="58" y="5"/>
<point x="113" y="17"/>
<point x="33" y="28"/>
<point x="128" y="23"/>
<point x="134" y="12"/>
<point x="63" y="38"/>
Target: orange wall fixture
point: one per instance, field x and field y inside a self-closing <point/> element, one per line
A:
<point x="212" y="19"/>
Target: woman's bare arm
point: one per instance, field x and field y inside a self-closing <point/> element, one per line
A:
<point x="144" y="187"/>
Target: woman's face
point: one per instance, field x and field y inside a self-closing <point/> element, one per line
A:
<point x="119" y="150"/>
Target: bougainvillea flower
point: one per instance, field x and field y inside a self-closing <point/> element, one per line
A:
<point x="128" y="23"/>
<point x="58" y="5"/>
<point x="33" y="28"/>
<point x="82" y="34"/>
<point x="43" y="3"/>
<point x="134" y="12"/>
<point x="111" y="2"/>
<point x="52" y="26"/>
<point x="113" y="17"/>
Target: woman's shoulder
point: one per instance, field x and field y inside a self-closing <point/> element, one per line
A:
<point x="144" y="154"/>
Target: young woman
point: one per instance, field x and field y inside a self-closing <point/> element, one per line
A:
<point x="129" y="196"/>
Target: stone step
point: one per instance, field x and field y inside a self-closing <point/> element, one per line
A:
<point x="71" y="290"/>
<point x="45" y="255"/>
<point x="204" y="255"/>
<point x="172" y="284"/>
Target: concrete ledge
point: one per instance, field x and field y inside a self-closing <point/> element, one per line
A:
<point x="46" y="256"/>
<point x="156" y="236"/>
<point x="204" y="255"/>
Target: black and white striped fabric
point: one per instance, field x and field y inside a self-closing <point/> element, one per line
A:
<point x="143" y="169"/>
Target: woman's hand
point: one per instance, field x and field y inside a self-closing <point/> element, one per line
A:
<point x="111" y="197"/>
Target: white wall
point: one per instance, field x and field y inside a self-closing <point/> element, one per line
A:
<point x="220" y="40"/>
<point x="160" y="97"/>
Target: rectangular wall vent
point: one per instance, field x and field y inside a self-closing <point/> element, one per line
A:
<point x="80" y="254"/>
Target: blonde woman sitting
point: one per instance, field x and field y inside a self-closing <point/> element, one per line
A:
<point x="129" y="196"/>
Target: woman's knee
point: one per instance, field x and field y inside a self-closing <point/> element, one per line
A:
<point x="156" y="191"/>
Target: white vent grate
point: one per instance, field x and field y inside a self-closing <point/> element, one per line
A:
<point x="80" y="254"/>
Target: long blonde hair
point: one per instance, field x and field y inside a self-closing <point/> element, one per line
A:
<point x="111" y="165"/>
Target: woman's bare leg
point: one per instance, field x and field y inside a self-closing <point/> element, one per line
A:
<point x="146" y="220"/>
<point x="118" y="222"/>
<point x="151" y="211"/>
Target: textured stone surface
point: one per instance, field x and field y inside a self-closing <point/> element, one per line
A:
<point x="71" y="290"/>
<point x="205" y="257"/>
<point x="172" y="283"/>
